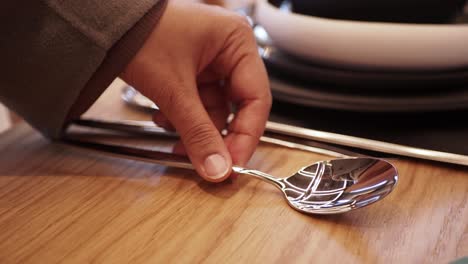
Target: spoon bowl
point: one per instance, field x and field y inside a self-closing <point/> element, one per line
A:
<point x="335" y="186"/>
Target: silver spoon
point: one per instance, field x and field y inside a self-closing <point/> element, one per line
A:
<point x="325" y="187"/>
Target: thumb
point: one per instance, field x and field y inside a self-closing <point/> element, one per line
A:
<point x="202" y="141"/>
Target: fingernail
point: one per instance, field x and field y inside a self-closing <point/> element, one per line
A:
<point x="216" y="166"/>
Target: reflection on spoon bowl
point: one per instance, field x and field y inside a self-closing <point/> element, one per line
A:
<point x="340" y="185"/>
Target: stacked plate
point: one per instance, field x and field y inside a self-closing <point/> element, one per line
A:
<point x="364" y="66"/>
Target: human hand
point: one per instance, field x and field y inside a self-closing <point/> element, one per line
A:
<point x="198" y="61"/>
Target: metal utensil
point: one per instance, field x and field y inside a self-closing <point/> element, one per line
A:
<point x="134" y="98"/>
<point x="150" y="129"/>
<point x="325" y="187"/>
<point x="138" y="100"/>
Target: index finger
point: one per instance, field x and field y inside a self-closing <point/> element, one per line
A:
<point x="249" y="89"/>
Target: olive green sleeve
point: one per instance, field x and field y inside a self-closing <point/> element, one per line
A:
<point x="52" y="50"/>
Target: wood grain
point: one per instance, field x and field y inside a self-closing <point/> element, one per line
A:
<point x="59" y="204"/>
<point x="64" y="205"/>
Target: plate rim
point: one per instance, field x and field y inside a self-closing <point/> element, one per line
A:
<point x="311" y="97"/>
<point x="411" y="55"/>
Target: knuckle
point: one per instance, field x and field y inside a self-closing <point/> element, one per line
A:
<point x="200" y="135"/>
<point x="169" y="97"/>
<point x="243" y="21"/>
<point x="243" y="27"/>
<point x="239" y="24"/>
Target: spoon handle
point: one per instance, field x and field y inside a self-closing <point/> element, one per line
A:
<point x="259" y="175"/>
<point x="161" y="158"/>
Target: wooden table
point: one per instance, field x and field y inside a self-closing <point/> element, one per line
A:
<point x="61" y="204"/>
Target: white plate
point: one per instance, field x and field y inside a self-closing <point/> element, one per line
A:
<point x="368" y="45"/>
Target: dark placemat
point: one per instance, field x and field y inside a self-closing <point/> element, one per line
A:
<point x="440" y="131"/>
